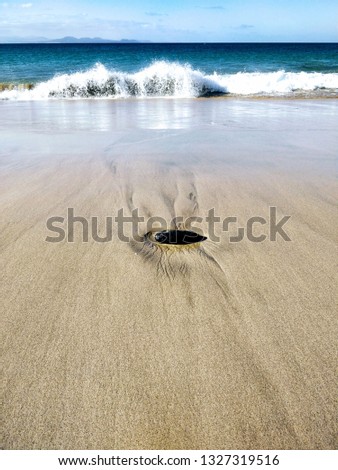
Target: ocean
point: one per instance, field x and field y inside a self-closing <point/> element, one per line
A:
<point x="64" y="71"/>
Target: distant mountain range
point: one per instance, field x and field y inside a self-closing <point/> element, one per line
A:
<point x="68" y="40"/>
<point x="72" y="40"/>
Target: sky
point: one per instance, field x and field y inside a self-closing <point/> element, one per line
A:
<point x="173" y="20"/>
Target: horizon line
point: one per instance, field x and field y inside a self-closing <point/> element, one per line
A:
<point x="135" y="42"/>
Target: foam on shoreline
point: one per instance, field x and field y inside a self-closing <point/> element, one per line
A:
<point x="168" y="79"/>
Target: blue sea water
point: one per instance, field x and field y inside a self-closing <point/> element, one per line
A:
<point x="180" y="70"/>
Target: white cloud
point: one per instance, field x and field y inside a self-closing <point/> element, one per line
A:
<point x="245" y="26"/>
<point x="215" y="7"/>
<point x="26" y="5"/>
<point x="154" y="13"/>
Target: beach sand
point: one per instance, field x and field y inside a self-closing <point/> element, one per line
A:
<point x="126" y="345"/>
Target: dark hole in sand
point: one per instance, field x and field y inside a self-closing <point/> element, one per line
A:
<point x="178" y="237"/>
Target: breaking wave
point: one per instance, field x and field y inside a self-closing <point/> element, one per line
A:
<point x="168" y="79"/>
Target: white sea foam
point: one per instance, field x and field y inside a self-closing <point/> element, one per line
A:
<point x="174" y="80"/>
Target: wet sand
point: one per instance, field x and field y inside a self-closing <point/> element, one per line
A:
<point x="125" y="345"/>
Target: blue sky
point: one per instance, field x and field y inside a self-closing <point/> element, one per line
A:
<point x="174" y="20"/>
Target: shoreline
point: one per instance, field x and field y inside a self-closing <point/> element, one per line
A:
<point x="224" y="96"/>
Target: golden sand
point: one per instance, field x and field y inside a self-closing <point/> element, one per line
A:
<point x="130" y="346"/>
